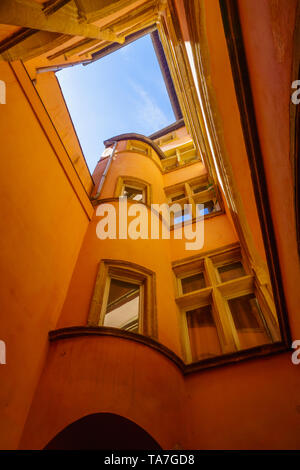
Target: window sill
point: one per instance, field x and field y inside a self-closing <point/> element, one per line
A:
<point x="236" y="356"/>
<point x="199" y="297"/>
<point x="195" y="219"/>
<point x="179" y="167"/>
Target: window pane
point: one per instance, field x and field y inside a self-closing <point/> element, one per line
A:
<point x="203" y="334"/>
<point x="209" y="207"/>
<point x="231" y="271"/>
<point x="134" y="194"/>
<point x="248" y="320"/>
<point x="123" y="305"/>
<point x="180" y="216"/>
<point x="192" y="283"/>
<point x="198" y="189"/>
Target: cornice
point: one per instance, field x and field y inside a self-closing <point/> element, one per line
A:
<point x="140" y="137"/>
<point x="226" y="359"/>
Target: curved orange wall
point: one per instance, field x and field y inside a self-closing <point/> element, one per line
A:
<point x="239" y="406"/>
<point x="87" y="375"/>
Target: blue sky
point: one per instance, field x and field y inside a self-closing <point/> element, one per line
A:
<point x="122" y="92"/>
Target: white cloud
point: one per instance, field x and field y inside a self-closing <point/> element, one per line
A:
<point x="147" y="110"/>
<point x="125" y="54"/>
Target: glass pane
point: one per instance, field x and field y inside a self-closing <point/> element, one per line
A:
<point x="133" y="193"/>
<point x="198" y="189"/>
<point x="180" y="216"/>
<point x="203" y="334"/>
<point x="177" y="197"/>
<point x="209" y="207"/>
<point x="123" y="305"/>
<point x="248" y="320"/>
<point x="231" y="271"/>
<point x="192" y="283"/>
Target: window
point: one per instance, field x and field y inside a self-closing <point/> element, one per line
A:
<point x="197" y="188"/>
<point x="192" y="282"/>
<point x="231" y="271"/>
<point x="179" y="156"/>
<point x="196" y="191"/>
<point x="180" y="216"/>
<point x="177" y="197"/>
<point x="123" y="305"/>
<point x="249" y="321"/>
<point x="134" y="194"/>
<point x="208" y="208"/>
<point x="177" y="194"/>
<point x="203" y="335"/>
<point x="134" y="189"/>
<point x="166" y="139"/>
<point x="124" y="298"/>
<point x="223" y="307"/>
<point x="138" y="147"/>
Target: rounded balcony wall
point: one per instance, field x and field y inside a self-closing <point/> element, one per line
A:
<point x="94" y="374"/>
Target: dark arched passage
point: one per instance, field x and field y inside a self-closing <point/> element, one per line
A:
<point x="103" y="431"/>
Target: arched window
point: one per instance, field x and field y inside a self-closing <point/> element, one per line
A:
<point x="124" y="297"/>
<point x="135" y="189"/>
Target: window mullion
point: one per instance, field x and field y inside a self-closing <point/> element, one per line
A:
<point x="223" y="323"/>
<point x="227" y="332"/>
<point x="105" y="300"/>
<point x="210" y="271"/>
<point x="141" y="319"/>
<point x="189" y="194"/>
<point x="269" y="313"/>
<point x="186" y="339"/>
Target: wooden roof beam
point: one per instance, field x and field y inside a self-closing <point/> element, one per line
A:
<point x="52" y="6"/>
<point x="31" y="15"/>
<point x="30" y="45"/>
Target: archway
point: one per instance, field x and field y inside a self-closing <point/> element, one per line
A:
<point x="103" y="431"/>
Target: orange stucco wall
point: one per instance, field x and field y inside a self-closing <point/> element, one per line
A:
<point x="269" y="44"/>
<point x="223" y="86"/>
<point x="154" y="255"/>
<point x="185" y="173"/>
<point x="107" y="374"/>
<point x="42" y="226"/>
<point x="49" y="90"/>
<point x="251" y="405"/>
